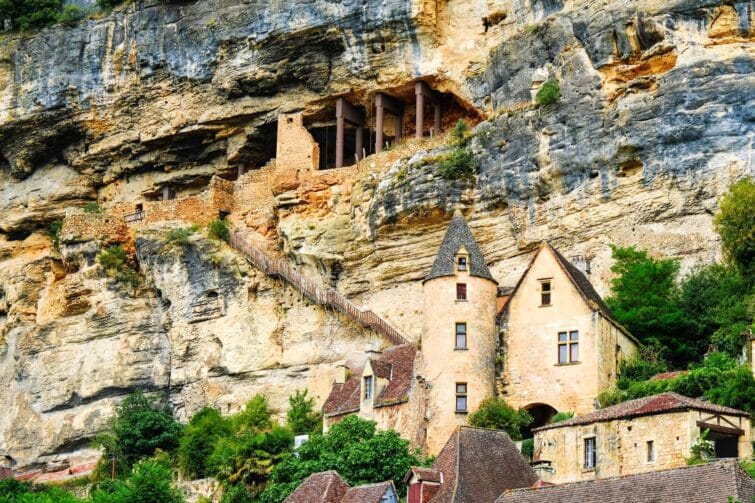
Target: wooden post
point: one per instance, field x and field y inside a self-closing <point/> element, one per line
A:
<point x="379" y="117"/>
<point x="166" y="192"/>
<point x="437" y="116"/>
<point x="420" y="112"/>
<point x="399" y="125"/>
<point x="339" y="141"/>
<point x="358" y="143"/>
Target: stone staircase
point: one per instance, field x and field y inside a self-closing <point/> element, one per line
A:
<point x="313" y="289"/>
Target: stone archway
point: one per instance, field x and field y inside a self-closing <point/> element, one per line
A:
<point x="541" y="413"/>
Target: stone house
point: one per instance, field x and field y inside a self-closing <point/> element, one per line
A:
<point x="647" y="434"/>
<point x="561" y="345"/>
<point x="329" y="487"/>
<point x="716" y="482"/>
<point x="475" y="465"/>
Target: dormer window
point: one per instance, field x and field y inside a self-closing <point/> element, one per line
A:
<point x="546" y="288"/>
<point x="368" y="387"/>
<point x="461" y="264"/>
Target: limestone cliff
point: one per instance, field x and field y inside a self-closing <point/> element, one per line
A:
<point x="655" y="120"/>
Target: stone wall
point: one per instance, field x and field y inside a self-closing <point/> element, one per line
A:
<point x="297" y="150"/>
<point x="622" y="445"/>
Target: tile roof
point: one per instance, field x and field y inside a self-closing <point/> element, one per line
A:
<point x="580" y="282"/>
<point x="656" y="404"/>
<point x="396" y="362"/>
<point x="425" y="474"/>
<point x="322" y="487"/>
<point x="458" y="235"/>
<point x="371" y="493"/>
<point x="708" y="483"/>
<point x="478" y="465"/>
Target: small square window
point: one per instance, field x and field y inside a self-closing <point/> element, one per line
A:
<point x="461" y="336"/>
<point x="545" y="292"/>
<point x="462" y="263"/>
<point x="461" y="397"/>
<point x="461" y="291"/>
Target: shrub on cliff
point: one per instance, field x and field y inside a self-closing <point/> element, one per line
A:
<point x="355" y="449"/>
<point x="115" y="262"/>
<point x="735" y="223"/>
<point x="218" y="229"/>
<point x="549" y="93"/>
<point x="140" y="426"/>
<point x="179" y="236"/>
<point x="497" y="414"/>
<point x="53" y="232"/>
<point x="30" y="14"/>
<point x="459" y="163"/>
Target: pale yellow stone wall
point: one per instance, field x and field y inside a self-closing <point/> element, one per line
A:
<point x="531" y="373"/>
<point x="622" y="445"/>
<point x="442" y="365"/>
<point x="296" y="150"/>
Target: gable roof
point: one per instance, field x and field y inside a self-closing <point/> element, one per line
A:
<point x="369" y="493"/>
<point x="458" y="235"/>
<point x="424" y="474"/>
<point x="395" y="364"/>
<point x="478" y="464"/>
<point x="322" y="487"/>
<point x="707" y="483"/>
<point x="581" y="284"/>
<point x="656" y="404"/>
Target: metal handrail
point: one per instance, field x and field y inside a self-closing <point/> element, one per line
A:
<point x="315" y="290"/>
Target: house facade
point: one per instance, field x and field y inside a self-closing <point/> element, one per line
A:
<point x="643" y="435"/>
<point x="561" y="345"/>
<point x="329" y="487"/>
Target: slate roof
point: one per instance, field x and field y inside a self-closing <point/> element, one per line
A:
<point x="708" y="483"/>
<point x="370" y="493"/>
<point x="322" y="487"/>
<point x="580" y="282"/>
<point x="458" y="235"/>
<point x="656" y="404"/>
<point x="395" y="364"/>
<point x="478" y="465"/>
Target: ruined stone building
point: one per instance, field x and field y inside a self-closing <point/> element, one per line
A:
<point x="549" y="344"/>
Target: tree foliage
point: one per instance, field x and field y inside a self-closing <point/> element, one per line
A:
<point x="301" y="417"/>
<point x="14" y="491"/>
<point x="497" y="414"/>
<point x="459" y="163"/>
<point x="355" y="448"/>
<point x="30" y="14"/>
<point x="735" y="223"/>
<point x="198" y="441"/>
<point x="218" y="229"/>
<point x="150" y="481"/>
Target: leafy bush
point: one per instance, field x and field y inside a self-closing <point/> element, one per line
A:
<point x="71" y="15"/>
<point x="150" y="481"/>
<point x="496" y="413"/>
<point x="702" y="450"/>
<point x="198" y="442"/>
<point x="114" y="261"/>
<point x="107" y="5"/>
<point x="218" y="229"/>
<point x="180" y="236"/>
<point x="528" y="448"/>
<point x="30" y="14"/>
<point x="237" y="494"/>
<point x="562" y="416"/>
<point x="355" y="449"/>
<point x="140" y="427"/>
<point x="301" y="417"/>
<point x="748" y="466"/>
<point x="14" y="491"/>
<point x="549" y="93"/>
<point x="735" y="223"/>
<point x="53" y="232"/>
<point x="459" y="163"/>
<point x="645" y="364"/>
<point x="90" y="207"/>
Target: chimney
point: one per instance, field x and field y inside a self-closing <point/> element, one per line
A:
<point x="341" y="373"/>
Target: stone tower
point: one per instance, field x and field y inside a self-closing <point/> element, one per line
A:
<point x="458" y="333"/>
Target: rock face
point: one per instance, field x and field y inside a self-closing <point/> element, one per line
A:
<point x="655" y="120"/>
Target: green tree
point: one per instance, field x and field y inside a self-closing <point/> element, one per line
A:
<point x="644" y="298"/>
<point x="735" y="223"/>
<point x="30" y="14"/>
<point x="14" y="491"/>
<point x="301" y="417"/>
<point x="645" y="364"/>
<point x="140" y="426"/>
<point x="150" y="481"/>
<point x="496" y="413"/>
<point x="355" y="449"/>
<point x="198" y="441"/>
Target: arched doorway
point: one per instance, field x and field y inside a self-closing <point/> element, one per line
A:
<point x="541" y="413"/>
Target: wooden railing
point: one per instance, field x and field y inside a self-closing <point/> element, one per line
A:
<point x="134" y="217"/>
<point x="314" y="290"/>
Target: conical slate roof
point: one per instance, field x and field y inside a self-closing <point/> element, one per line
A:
<point x="458" y="235"/>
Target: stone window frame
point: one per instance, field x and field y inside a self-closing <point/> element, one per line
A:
<point x="462" y="393"/>
<point x="590" y="457"/>
<point x="457" y="333"/>
<point x="461" y="292"/>
<point x="546" y="295"/>
<point x="570" y="344"/>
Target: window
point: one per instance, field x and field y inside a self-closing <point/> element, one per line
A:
<point x="461" y="397"/>
<point x="650" y="451"/>
<point x="545" y="292"/>
<point x="139" y="207"/>
<point x="368" y="387"/>
<point x="461" y="336"/>
<point x="462" y="263"/>
<point x="591" y="458"/>
<point x="461" y="291"/>
<point x="568" y="347"/>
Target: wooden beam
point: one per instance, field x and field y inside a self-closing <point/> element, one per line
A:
<point x="389" y="103"/>
<point x="720" y="429"/>
<point x="420" y="88"/>
<point x="349" y="112"/>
